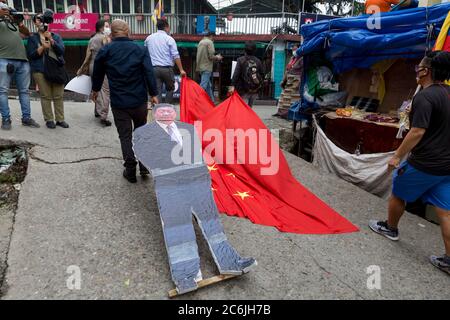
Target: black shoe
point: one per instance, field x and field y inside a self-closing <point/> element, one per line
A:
<point x="62" y="124"/>
<point x="30" y="123"/>
<point x="144" y="172"/>
<point x="6" y="124"/>
<point x="50" y="124"/>
<point x="106" y="123"/>
<point x="96" y="114"/>
<point x="130" y="175"/>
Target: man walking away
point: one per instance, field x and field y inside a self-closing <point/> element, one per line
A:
<point x="425" y="174"/>
<point x="206" y="56"/>
<point x="164" y="52"/>
<point x="249" y="75"/>
<point x="130" y="74"/>
<point x="14" y="65"/>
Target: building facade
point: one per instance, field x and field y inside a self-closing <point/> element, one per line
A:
<point x="188" y="19"/>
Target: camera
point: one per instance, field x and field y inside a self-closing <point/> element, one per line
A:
<point x="14" y="16"/>
<point x="46" y="18"/>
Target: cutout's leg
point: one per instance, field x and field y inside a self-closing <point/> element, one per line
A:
<point x="179" y="233"/>
<point x="205" y="210"/>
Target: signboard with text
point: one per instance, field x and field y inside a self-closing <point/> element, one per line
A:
<point x="74" y="22"/>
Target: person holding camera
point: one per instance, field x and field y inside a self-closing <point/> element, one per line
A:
<point x="13" y="65"/>
<point x="46" y="53"/>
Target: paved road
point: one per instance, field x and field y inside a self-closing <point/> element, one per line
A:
<point x="75" y="209"/>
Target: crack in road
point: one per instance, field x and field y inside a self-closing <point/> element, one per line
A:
<point x="3" y="285"/>
<point x="34" y="157"/>
<point x="91" y="146"/>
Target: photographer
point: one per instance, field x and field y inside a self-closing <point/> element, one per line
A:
<point x="45" y="45"/>
<point x="13" y="65"/>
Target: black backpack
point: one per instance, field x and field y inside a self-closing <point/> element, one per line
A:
<point x="251" y="75"/>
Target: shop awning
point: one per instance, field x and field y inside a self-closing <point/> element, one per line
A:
<point x="181" y="44"/>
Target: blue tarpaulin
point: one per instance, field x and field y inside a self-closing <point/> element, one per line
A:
<point x="354" y="43"/>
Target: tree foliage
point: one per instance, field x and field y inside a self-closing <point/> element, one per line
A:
<point x="331" y="7"/>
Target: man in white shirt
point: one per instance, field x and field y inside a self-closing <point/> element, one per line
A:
<point x="164" y="54"/>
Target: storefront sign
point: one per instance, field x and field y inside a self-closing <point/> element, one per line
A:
<point x="74" y="22"/>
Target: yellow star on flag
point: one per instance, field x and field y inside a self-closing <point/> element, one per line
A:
<point x="243" y="195"/>
<point x="231" y="175"/>
<point x="213" y="189"/>
<point x="213" y="168"/>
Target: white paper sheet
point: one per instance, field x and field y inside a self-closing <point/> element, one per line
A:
<point x="81" y="84"/>
<point x="233" y="68"/>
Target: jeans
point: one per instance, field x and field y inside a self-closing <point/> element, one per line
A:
<point x="21" y="76"/>
<point x="206" y="83"/>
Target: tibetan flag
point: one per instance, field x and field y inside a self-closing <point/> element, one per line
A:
<point x="443" y="40"/>
<point x="158" y="12"/>
<point x="246" y="184"/>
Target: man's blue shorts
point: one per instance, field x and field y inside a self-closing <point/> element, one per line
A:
<point x="410" y="184"/>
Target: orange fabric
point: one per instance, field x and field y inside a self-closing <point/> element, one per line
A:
<point x="385" y="5"/>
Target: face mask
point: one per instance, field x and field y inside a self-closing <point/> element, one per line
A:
<point x="107" y="31"/>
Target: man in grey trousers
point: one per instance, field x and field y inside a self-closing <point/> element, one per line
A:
<point x="164" y="54"/>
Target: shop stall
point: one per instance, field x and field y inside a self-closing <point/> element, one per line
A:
<point x="359" y="81"/>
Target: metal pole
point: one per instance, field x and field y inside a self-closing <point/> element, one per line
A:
<point x="353" y="7"/>
<point x="283" y="11"/>
<point x="303" y="7"/>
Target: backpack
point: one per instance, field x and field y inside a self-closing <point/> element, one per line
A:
<point x="251" y="76"/>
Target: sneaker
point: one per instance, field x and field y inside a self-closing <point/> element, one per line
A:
<point x="30" y="123"/>
<point x="6" y="124"/>
<point x="442" y="263"/>
<point x="130" y="175"/>
<point x="381" y="227"/>
<point x="50" y="124"/>
<point x="106" y="123"/>
<point x="62" y="124"/>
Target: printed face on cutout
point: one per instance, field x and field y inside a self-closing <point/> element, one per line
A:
<point x="166" y="115"/>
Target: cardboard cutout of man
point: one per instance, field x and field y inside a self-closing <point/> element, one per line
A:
<point x="172" y="152"/>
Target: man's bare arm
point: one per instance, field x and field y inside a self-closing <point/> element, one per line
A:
<point x="411" y="140"/>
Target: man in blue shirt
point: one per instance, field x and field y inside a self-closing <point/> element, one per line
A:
<point x="164" y="53"/>
<point x="131" y="79"/>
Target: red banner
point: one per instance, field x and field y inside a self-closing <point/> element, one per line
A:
<point x="74" y="22"/>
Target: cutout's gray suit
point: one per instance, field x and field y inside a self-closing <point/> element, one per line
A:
<point x="183" y="190"/>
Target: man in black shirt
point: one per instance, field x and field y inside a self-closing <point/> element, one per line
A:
<point x="425" y="174"/>
<point x="249" y="75"/>
<point x="129" y="70"/>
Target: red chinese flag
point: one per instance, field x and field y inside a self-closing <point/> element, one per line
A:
<point x="274" y="198"/>
<point x="194" y="101"/>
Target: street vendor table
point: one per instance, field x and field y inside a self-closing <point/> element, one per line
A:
<point x="351" y="133"/>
